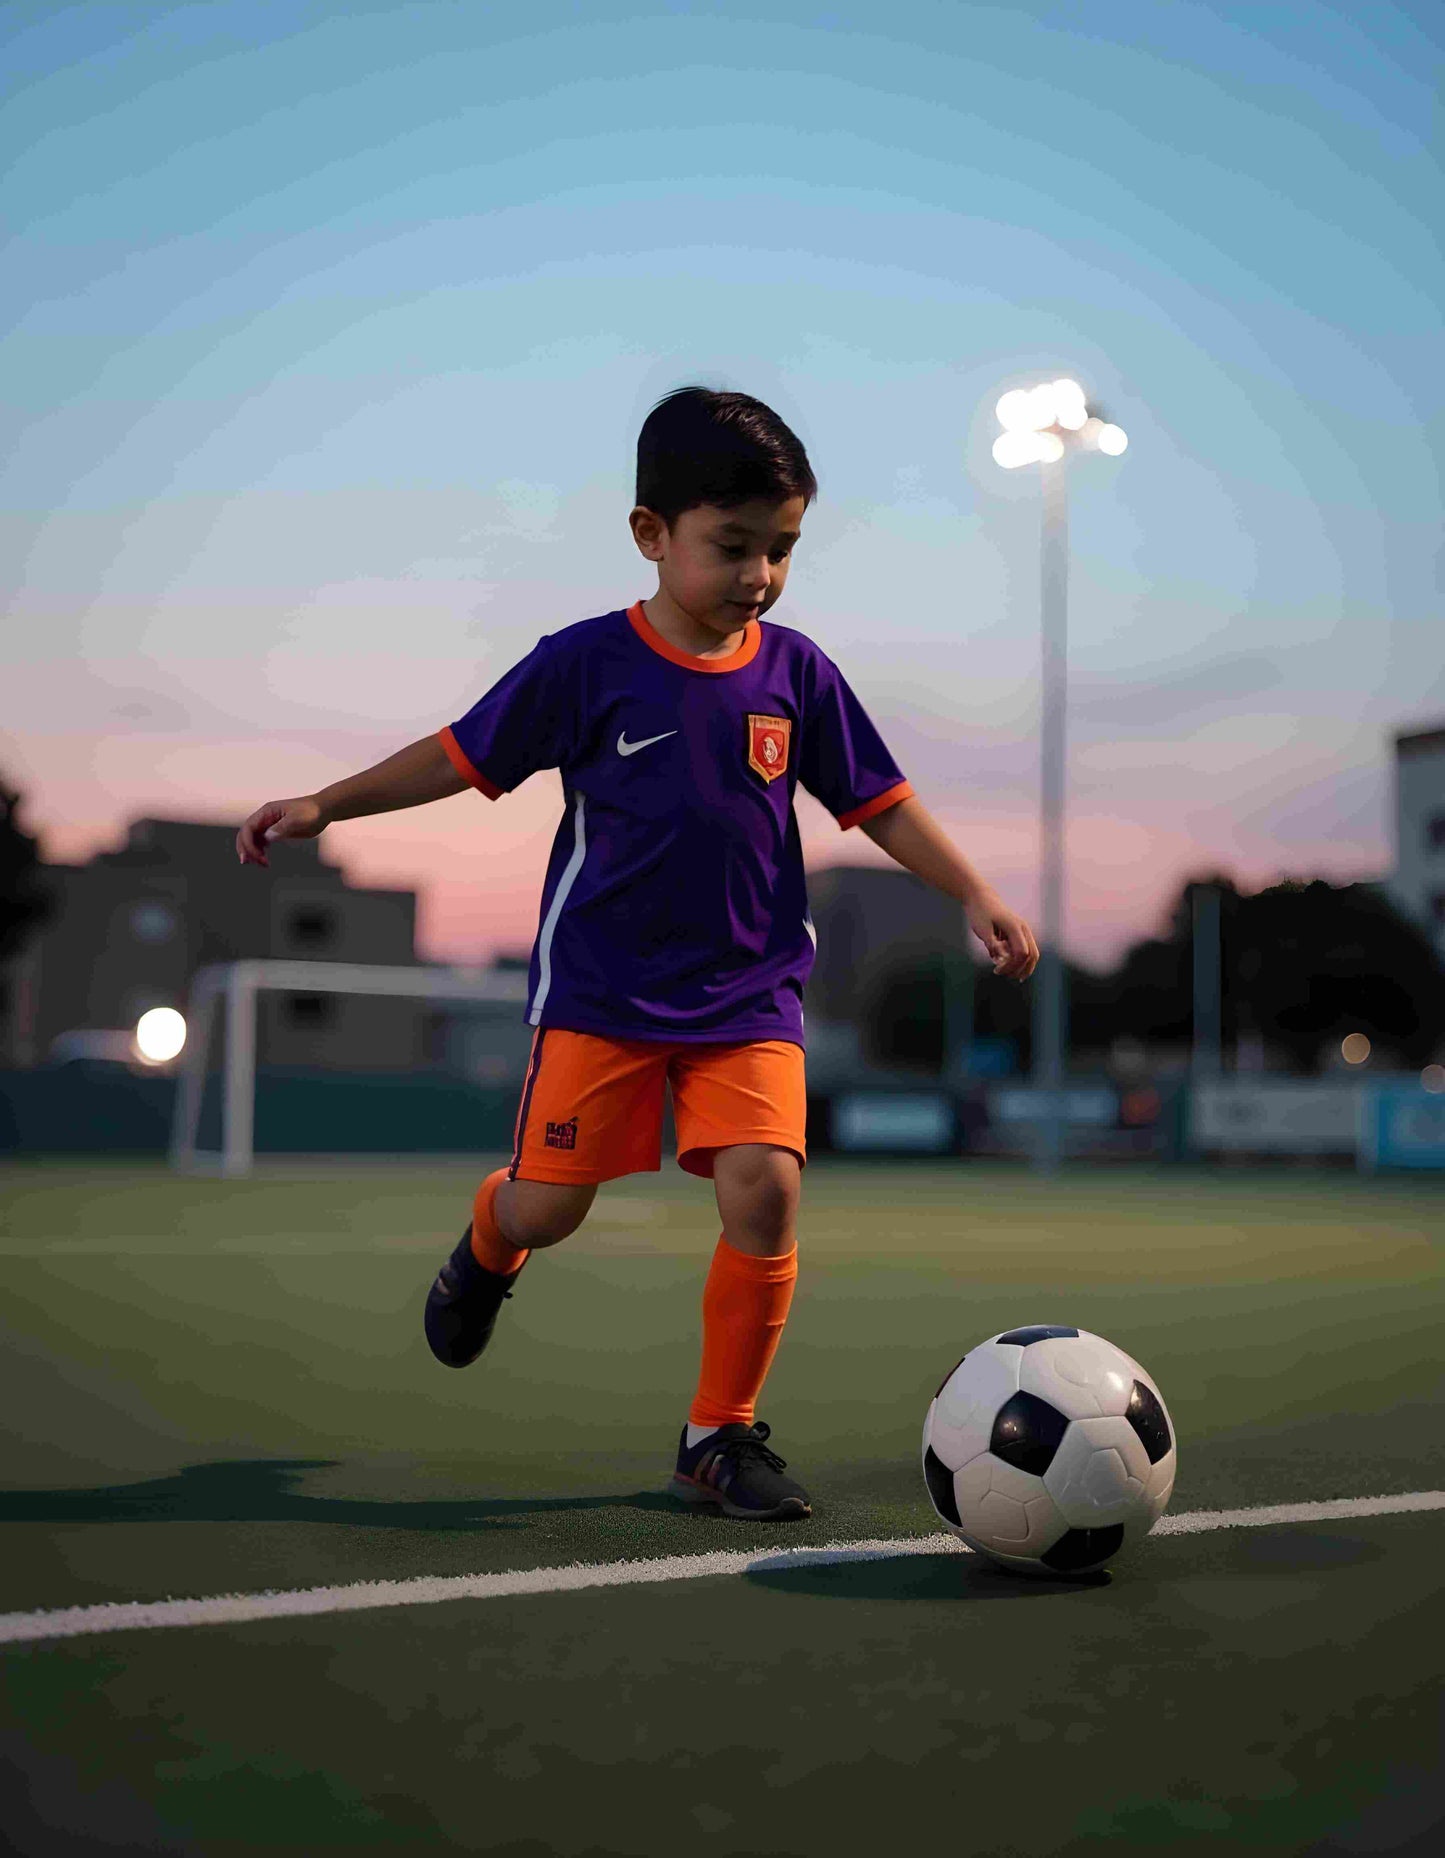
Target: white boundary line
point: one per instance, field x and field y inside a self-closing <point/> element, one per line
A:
<point x="426" y="1590"/>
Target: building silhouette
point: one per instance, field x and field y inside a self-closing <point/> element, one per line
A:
<point x="129" y="928"/>
<point x="1417" y="884"/>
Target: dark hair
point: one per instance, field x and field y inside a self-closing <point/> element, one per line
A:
<point x="697" y="446"/>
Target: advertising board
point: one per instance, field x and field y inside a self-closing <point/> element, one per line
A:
<point x="1400" y="1126"/>
<point x="918" y="1122"/>
<point x="1274" y="1119"/>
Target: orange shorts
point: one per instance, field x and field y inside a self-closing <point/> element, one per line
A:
<point x="591" y="1107"/>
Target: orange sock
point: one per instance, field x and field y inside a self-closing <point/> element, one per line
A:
<point x="489" y="1248"/>
<point x="744" y="1306"/>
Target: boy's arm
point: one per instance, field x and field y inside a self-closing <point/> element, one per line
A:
<point x="911" y="836"/>
<point x="412" y="776"/>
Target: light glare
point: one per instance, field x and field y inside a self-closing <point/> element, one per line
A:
<point x="1112" y="439"/>
<point x="160" y="1034"/>
<point x="1432" y="1078"/>
<point x="1354" y="1048"/>
<point x="1041" y="407"/>
<point x="1013" y="410"/>
<point x="1049" y="448"/>
<point x="1012" y="449"/>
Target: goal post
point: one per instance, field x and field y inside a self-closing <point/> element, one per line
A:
<point x="236" y="987"/>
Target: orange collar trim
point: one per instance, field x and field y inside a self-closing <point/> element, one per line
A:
<point x="650" y="636"/>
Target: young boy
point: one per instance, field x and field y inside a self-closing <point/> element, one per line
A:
<point x="674" y="934"/>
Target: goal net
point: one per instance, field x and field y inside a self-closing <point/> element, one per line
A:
<point x="223" y="1010"/>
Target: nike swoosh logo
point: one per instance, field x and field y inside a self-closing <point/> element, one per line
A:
<point x="624" y="747"/>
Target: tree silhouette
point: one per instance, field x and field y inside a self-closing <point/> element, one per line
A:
<point x="23" y="901"/>
<point x="1303" y="963"/>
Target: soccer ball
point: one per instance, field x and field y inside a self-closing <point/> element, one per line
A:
<point x="1049" y="1449"/>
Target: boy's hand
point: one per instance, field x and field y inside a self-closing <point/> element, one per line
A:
<point x="1006" y="936"/>
<point x="301" y="818"/>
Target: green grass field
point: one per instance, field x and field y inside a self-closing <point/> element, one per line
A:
<point x="222" y="1387"/>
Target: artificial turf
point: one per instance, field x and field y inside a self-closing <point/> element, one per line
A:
<point x="222" y="1387"/>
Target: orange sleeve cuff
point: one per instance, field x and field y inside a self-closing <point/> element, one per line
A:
<point x="457" y="757"/>
<point x="880" y="803"/>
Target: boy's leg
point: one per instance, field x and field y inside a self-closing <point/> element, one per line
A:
<point x="741" y="1114"/>
<point x="750" y="1283"/>
<point x="591" y="1109"/>
<point x="512" y="1219"/>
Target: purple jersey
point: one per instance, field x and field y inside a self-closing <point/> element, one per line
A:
<point x="674" y="905"/>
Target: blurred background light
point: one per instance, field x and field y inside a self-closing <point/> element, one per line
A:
<point x="1015" y="448"/>
<point x="1015" y="410"/>
<point x="1112" y="439"/>
<point x="1354" y="1048"/>
<point x="1041" y="407"/>
<point x="160" y="1034"/>
<point x="1433" y="1077"/>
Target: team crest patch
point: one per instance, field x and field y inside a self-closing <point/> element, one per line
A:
<point x="768" y="739"/>
<point x="561" y="1135"/>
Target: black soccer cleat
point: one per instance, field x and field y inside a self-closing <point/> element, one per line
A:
<point x="462" y="1306"/>
<point x="734" y="1469"/>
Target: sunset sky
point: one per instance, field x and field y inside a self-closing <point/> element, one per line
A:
<point x="330" y="330"/>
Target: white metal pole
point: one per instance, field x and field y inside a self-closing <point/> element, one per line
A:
<point x="186" y="1116"/>
<point x="1049" y="1002"/>
<point x="238" y="1098"/>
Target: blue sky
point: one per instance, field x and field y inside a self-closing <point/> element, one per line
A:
<point x="333" y="330"/>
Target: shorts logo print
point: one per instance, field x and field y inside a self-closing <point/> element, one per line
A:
<point x="561" y="1135"/>
<point x="769" y="738"/>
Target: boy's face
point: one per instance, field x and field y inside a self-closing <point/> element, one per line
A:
<point x="722" y="567"/>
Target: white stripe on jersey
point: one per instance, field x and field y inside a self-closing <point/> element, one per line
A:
<point x="564" y="884"/>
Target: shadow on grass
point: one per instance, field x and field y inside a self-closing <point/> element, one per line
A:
<point x="1302" y="1551"/>
<point x="264" y="1491"/>
<point x="949" y="1576"/>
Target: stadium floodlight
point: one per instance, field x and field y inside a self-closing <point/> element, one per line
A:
<point x="1041" y="425"/>
<point x="238" y="984"/>
<point x="1015" y="411"/>
<point x="160" y="1035"/>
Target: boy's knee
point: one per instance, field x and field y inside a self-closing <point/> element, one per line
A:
<point x="534" y="1214"/>
<point x="776" y="1202"/>
<point x="758" y="1189"/>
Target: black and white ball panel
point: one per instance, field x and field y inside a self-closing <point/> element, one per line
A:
<point x="960" y="1421"/>
<point x="1078" y="1550"/>
<point x="1145" y="1413"/>
<point x="1099" y="1474"/>
<point x="939" y="1479"/>
<point x="1007" y="1510"/>
<point x="1082" y="1375"/>
<point x="1027" y="1432"/>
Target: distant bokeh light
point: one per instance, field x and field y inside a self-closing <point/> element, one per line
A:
<point x="1015" y="411"/>
<point x="1016" y="447"/>
<point x="1070" y="411"/>
<point x="1433" y="1077"/>
<point x="1112" y="439"/>
<point x="1354" y="1048"/>
<point x="160" y="1034"/>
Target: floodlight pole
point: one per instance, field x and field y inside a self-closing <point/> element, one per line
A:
<point x="1208" y="1042"/>
<point x="1049" y="1001"/>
